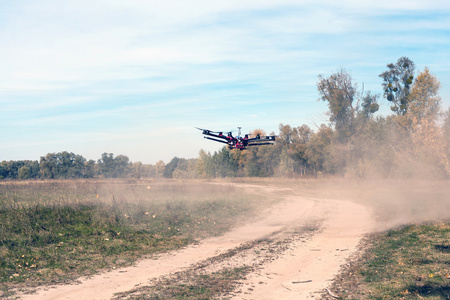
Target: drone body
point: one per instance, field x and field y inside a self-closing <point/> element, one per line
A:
<point x="237" y="142"/>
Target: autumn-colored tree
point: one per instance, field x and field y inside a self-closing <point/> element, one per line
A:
<point x="160" y="166"/>
<point x="423" y="115"/>
<point x="318" y="151"/>
<point x="424" y="100"/>
<point x="256" y="132"/>
<point x="293" y="142"/>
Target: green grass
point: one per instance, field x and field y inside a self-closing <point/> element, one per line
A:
<point x="412" y="262"/>
<point x="56" y="231"/>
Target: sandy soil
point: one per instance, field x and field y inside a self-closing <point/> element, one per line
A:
<point x="305" y="268"/>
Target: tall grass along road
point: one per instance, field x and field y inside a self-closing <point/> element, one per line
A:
<point x="297" y="240"/>
<point x="57" y="231"/>
<point x="253" y="239"/>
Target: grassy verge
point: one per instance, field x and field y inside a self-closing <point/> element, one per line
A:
<point x="56" y="231"/>
<point x="412" y="262"/>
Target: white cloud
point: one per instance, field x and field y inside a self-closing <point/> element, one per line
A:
<point x="178" y="64"/>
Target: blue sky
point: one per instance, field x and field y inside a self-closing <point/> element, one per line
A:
<point x="135" y="77"/>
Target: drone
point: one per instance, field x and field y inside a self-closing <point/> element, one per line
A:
<point x="237" y="142"/>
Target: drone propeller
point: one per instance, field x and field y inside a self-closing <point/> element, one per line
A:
<point x="210" y="131"/>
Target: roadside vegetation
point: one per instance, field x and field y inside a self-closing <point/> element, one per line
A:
<point x="56" y="231"/>
<point x="411" y="262"/>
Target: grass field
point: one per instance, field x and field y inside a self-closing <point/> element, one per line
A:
<point x="56" y="231"/>
<point x="411" y="262"/>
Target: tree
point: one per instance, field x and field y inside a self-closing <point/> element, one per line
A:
<point x="397" y="81"/>
<point x="317" y="152"/>
<point x="203" y="165"/>
<point x="106" y="165"/>
<point x="62" y="165"/>
<point x="48" y="166"/>
<point x="269" y="159"/>
<point x="339" y="91"/>
<point x="348" y="110"/>
<point x="185" y="169"/>
<point x="424" y="100"/>
<point x="137" y="170"/>
<point x="113" y="167"/>
<point x="225" y="162"/>
<point x="122" y="165"/>
<point x="292" y="155"/>
<point x="90" y="169"/>
<point x="423" y="115"/>
<point x="159" y="169"/>
<point x="286" y="135"/>
<point x="3" y="170"/>
<point x="170" y="167"/>
<point x="24" y="172"/>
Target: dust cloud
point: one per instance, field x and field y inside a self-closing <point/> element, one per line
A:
<point x="393" y="202"/>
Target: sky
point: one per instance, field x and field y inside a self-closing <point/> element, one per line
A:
<point x="136" y="77"/>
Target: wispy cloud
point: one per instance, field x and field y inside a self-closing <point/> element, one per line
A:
<point x="76" y="70"/>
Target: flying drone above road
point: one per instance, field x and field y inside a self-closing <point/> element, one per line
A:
<point x="237" y="142"/>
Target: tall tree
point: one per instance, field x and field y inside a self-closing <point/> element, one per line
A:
<point x="339" y="91"/>
<point x="3" y="170"/>
<point x="318" y="149"/>
<point x="397" y="81"/>
<point x="90" y="169"/>
<point x="424" y="100"/>
<point x="423" y="115"/>
<point x="293" y="142"/>
<point x="106" y="165"/>
<point x="225" y="162"/>
<point x="122" y="165"/>
<point x="48" y="166"/>
<point x="348" y="110"/>
<point x="113" y="167"/>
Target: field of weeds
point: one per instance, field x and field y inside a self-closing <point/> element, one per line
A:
<point x="56" y="231"/>
<point x="411" y="262"/>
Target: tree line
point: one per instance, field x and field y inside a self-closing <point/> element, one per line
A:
<point x="414" y="140"/>
<point x="67" y="165"/>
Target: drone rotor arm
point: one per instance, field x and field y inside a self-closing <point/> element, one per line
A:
<point x="216" y="140"/>
<point x="259" y="144"/>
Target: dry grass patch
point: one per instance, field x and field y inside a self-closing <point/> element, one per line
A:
<point x="56" y="231"/>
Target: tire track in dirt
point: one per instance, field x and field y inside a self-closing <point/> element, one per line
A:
<point x="306" y="267"/>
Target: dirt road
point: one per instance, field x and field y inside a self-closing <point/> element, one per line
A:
<point x="307" y="263"/>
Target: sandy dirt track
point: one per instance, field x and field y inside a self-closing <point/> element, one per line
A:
<point x="306" y="268"/>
